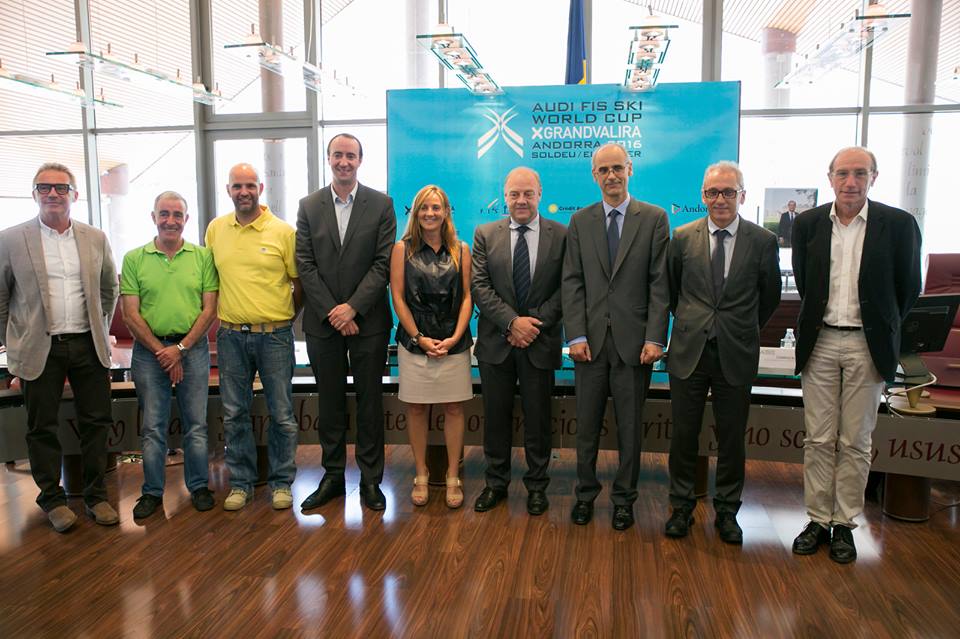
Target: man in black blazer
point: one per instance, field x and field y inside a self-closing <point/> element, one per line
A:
<point x="345" y="232"/>
<point x="857" y="267"/>
<point x="724" y="286"/>
<point x="785" y="228"/>
<point x="517" y="263"/>
<point x="615" y="295"/>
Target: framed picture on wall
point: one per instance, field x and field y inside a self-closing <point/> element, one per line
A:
<point x="782" y="205"/>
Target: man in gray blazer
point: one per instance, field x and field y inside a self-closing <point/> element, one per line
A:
<point x="615" y="295"/>
<point x="58" y="289"/>
<point x="517" y="263"/>
<point x="724" y="286"/>
<point x="345" y="232"/>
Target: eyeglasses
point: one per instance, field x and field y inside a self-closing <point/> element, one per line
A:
<point x="859" y="174"/>
<point x="728" y="194"/>
<point x="616" y="169"/>
<point x="44" y="189"/>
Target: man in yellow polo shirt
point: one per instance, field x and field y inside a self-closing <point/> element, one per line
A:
<point x="260" y="294"/>
<point x="168" y="294"/>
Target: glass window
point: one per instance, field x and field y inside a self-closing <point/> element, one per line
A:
<point x="156" y="36"/>
<point x="281" y="164"/>
<point x="364" y="57"/>
<point x="134" y="169"/>
<point x="763" y="42"/>
<point x="252" y="89"/>
<point x="899" y="164"/>
<point x="27" y="31"/>
<point x="21" y="157"/>
<point x="611" y="39"/>
<point x="373" y="169"/>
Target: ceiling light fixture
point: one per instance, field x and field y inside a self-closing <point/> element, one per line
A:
<point x="454" y="52"/>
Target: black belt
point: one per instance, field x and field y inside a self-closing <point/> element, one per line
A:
<point x="843" y="328"/>
<point x="176" y="337"/>
<point x="63" y="337"/>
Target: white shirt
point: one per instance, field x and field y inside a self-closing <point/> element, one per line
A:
<point x="728" y="243"/>
<point x="622" y="208"/>
<point x="846" y="247"/>
<point x="344" y="209"/>
<point x="68" y="306"/>
<point x="532" y="237"/>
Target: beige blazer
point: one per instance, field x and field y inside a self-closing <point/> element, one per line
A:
<point x="25" y="299"/>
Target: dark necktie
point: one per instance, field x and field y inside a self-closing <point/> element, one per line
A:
<point x="613" y="238"/>
<point x="521" y="269"/>
<point x="718" y="261"/>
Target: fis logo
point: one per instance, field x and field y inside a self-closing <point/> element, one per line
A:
<point x="500" y="130"/>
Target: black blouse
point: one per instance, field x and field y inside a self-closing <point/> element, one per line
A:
<point x="433" y="291"/>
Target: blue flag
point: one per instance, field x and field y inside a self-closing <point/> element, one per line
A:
<point x="576" y="45"/>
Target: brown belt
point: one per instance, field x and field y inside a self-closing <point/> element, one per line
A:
<point x="262" y="327"/>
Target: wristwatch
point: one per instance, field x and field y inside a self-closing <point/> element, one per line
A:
<point x="181" y="347"/>
<point x="414" y="341"/>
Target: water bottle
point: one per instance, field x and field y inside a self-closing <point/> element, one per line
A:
<point x="788" y="341"/>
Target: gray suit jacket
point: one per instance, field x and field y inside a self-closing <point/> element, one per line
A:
<point x="632" y="300"/>
<point x="750" y="295"/>
<point x="493" y="293"/>
<point x="356" y="272"/>
<point x="25" y="299"/>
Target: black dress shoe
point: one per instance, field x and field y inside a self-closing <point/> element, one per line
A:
<point x="329" y="488"/>
<point x="730" y="531"/>
<point x="488" y="498"/>
<point x="842" y="548"/>
<point x="202" y="499"/>
<point x="582" y="513"/>
<point x="812" y="537"/>
<point x="146" y="506"/>
<point x="622" y="517"/>
<point x="537" y="503"/>
<point x="372" y="497"/>
<point x="679" y="523"/>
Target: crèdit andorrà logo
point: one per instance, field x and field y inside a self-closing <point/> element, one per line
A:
<point x="500" y="131"/>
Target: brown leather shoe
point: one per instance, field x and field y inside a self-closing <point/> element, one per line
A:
<point x="103" y="513"/>
<point x="62" y="518"/>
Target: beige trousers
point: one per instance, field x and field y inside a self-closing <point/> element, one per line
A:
<point x="841" y="394"/>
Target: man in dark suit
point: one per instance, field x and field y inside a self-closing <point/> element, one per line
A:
<point x="517" y="263"/>
<point x="615" y="295"/>
<point x="724" y="286"/>
<point x="857" y="267"/>
<point x="785" y="228"/>
<point x="344" y="235"/>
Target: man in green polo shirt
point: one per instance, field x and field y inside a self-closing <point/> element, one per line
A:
<point x="169" y="299"/>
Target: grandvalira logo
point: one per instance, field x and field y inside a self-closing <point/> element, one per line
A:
<point x="500" y="130"/>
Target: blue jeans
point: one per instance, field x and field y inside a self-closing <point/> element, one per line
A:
<point x="153" y="395"/>
<point x="240" y="355"/>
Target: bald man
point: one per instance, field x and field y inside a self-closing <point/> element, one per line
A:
<point x="517" y="263"/>
<point x="260" y="294"/>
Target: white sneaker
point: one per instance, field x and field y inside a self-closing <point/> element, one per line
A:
<point x="282" y="498"/>
<point x="237" y="499"/>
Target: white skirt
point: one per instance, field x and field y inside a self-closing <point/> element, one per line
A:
<point x="431" y="380"/>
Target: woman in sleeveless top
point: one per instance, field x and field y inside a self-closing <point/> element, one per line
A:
<point x="430" y="285"/>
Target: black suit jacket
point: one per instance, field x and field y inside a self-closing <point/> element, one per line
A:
<point x="633" y="299"/>
<point x="493" y="292"/>
<point x="356" y="272"/>
<point x="750" y="295"/>
<point x="888" y="284"/>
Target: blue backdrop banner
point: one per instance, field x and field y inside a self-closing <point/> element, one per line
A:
<point x="467" y="144"/>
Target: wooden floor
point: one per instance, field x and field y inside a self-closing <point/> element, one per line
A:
<point x="432" y="572"/>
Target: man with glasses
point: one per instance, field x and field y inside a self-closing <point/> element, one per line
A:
<point x="857" y="267"/>
<point x="724" y="286"/>
<point x="614" y="296"/>
<point x="259" y="297"/>
<point x="345" y="232"/>
<point x="58" y="289"/>
<point x="169" y="299"/>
